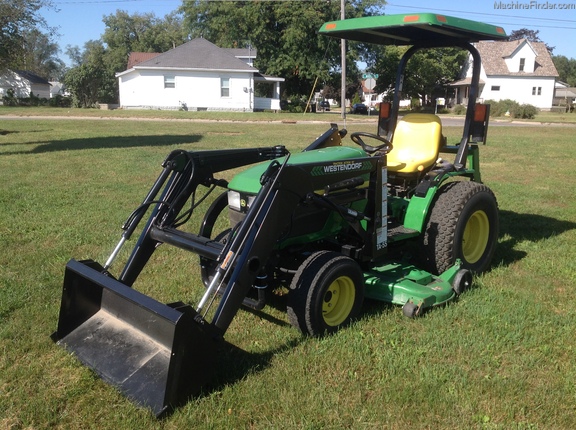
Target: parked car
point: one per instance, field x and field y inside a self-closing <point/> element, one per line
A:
<point x="359" y="108"/>
<point x="324" y="105"/>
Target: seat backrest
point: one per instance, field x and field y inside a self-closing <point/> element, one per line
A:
<point x="416" y="143"/>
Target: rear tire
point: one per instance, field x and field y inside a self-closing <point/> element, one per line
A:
<point x="462" y="223"/>
<point x="326" y="293"/>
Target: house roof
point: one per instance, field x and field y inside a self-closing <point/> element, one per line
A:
<point x="465" y="82"/>
<point x="197" y="54"/>
<point x="138" y="57"/>
<point x="565" y="92"/>
<point x="493" y="56"/>
<point x="267" y="78"/>
<point x="31" y="77"/>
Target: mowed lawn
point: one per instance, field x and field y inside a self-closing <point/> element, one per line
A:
<point x="501" y="357"/>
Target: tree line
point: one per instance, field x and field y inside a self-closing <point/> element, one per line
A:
<point x="284" y="34"/>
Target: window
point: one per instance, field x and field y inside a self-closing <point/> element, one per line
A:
<point x="224" y="87"/>
<point x="536" y="91"/>
<point x="169" y="81"/>
<point x="495" y="88"/>
<point x="522" y="63"/>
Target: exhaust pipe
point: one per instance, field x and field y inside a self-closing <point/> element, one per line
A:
<point x="158" y="355"/>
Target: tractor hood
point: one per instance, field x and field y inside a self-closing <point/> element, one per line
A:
<point x="249" y="180"/>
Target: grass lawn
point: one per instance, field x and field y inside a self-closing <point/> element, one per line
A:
<point x="501" y="357"/>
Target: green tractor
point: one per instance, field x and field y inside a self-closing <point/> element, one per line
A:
<point x="385" y="219"/>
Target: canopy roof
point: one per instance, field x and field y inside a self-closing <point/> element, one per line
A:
<point x="412" y="29"/>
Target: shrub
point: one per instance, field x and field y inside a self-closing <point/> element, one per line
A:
<point x="60" y="101"/>
<point x="511" y="109"/>
<point x="459" y="110"/>
<point x="528" y="111"/>
<point x="296" y="104"/>
<point x="505" y="107"/>
<point x="10" y="99"/>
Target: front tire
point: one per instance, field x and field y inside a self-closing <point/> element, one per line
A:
<point x="462" y="223"/>
<point x="326" y="293"/>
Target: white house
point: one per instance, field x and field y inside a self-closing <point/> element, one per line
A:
<point x="198" y="76"/>
<point x="518" y="70"/>
<point x="370" y="98"/>
<point x="24" y="83"/>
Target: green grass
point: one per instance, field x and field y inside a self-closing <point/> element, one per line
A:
<point x="569" y="117"/>
<point x="502" y="357"/>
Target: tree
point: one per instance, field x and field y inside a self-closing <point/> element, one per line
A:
<point x="16" y="18"/>
<point x="90" y="80"/>
<point x="84" y="83"/>
<point x="566" y="69"/>
<point x="427" y="72"/>
<point x="126" y="33"/>
<point x="530" y="35"/>
<point x="333" y="90"/>
<point x="142" y="32"/>
<point x="40" y="56"/>
<point x="284" y="33"/>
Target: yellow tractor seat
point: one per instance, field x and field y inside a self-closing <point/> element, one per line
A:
<point x="416" y="143"/>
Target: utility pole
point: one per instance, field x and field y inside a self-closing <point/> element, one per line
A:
<point x="343" y="54"/>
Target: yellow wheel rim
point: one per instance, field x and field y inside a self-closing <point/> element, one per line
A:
<point x="475" y="238"/>
<point x="338" y="301"/>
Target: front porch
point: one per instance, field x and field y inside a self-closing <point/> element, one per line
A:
<point x="266" y="92"/>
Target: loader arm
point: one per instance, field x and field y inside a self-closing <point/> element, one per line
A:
<point x="182" y="173"/>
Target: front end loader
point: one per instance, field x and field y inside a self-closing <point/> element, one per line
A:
<point x="333" y="224"/>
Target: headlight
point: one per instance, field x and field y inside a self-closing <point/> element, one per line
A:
<point x="239" y="202"/>
<point x="234" y="200"/>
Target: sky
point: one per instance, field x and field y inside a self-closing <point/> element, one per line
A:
<point x="79" y="21"/>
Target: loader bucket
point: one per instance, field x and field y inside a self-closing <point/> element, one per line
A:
<point x="158" y="355"/>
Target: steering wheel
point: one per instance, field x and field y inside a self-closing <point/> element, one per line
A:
<point x="386" y="146"/>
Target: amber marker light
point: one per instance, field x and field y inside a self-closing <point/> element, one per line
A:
<point x="411" y="18"/>
<point x="480" y="113"/>
<point x="384" y="110"/>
